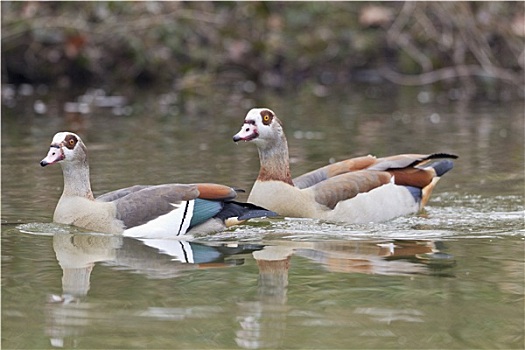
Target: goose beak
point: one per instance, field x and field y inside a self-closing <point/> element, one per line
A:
<point x="248" y="132"/>
<point x="236" y="138"/>
<point x="54" y="155"/>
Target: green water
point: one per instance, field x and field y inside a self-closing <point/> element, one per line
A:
<point x="452" y="277"/>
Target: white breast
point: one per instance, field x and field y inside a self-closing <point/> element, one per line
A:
<point x="283" y="199"/>
<point x="92" y="215"/>
<point x="383" y="203"/>
<point x="171" y="225"/>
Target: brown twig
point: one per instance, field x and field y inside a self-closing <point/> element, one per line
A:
<point x="450" y="73"/>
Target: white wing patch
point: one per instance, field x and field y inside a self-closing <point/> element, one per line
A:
<point x="180" y="250"/>
<point x="170" y="225"/>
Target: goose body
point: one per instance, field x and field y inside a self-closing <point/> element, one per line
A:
<point x="159" y="211"/>
<point x="379" y="204"/>
<point x="356" y="190"/>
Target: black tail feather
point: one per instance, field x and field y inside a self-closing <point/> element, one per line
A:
<point x="442" y="155"/>
<point x="432" y="156"/>
<point x="243" y="211"/>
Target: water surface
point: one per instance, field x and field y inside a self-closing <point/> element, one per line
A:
<point x="451" y="277"/>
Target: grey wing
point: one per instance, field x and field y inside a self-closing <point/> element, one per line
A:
<point x="348" y="185"/>
<point x="142" y="206"/>
<point x="331" y="170"/>
<point x="311" y="178"/>
<point x="114" y="195"/>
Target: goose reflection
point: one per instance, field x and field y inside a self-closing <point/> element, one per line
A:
<point x="261" y="322"/>
<point x="399" y="257"/>
<point x="77" y="255"/>
<point x="155" y="258"/>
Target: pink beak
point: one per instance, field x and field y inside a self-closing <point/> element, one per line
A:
<point x="248" y="132"/>
<point x="54" y="155"/>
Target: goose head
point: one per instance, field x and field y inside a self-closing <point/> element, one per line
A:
<point x="66" y="147"/>
<point x="262" y="127"/>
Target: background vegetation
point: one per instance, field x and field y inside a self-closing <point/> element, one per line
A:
<point x="475" y="48"/>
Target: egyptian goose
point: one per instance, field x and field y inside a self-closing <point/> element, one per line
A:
<point x="160" y="211"/>
<point x="358" y="190"/>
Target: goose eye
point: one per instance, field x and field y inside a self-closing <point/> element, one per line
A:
<point x="266" y="118"/>
<point x="70" y="141"/>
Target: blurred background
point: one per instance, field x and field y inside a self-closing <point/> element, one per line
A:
<point x="470" y="50"/>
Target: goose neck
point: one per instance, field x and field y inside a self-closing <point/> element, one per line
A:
<point x="275" y="163"/>
<point x="76" y="180"/>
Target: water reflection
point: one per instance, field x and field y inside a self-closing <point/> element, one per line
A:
<point x="155" y="258"/>
<point x="261" y="322"/>
<point x="77" y="255"/>
<point x="385" y="258"/>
